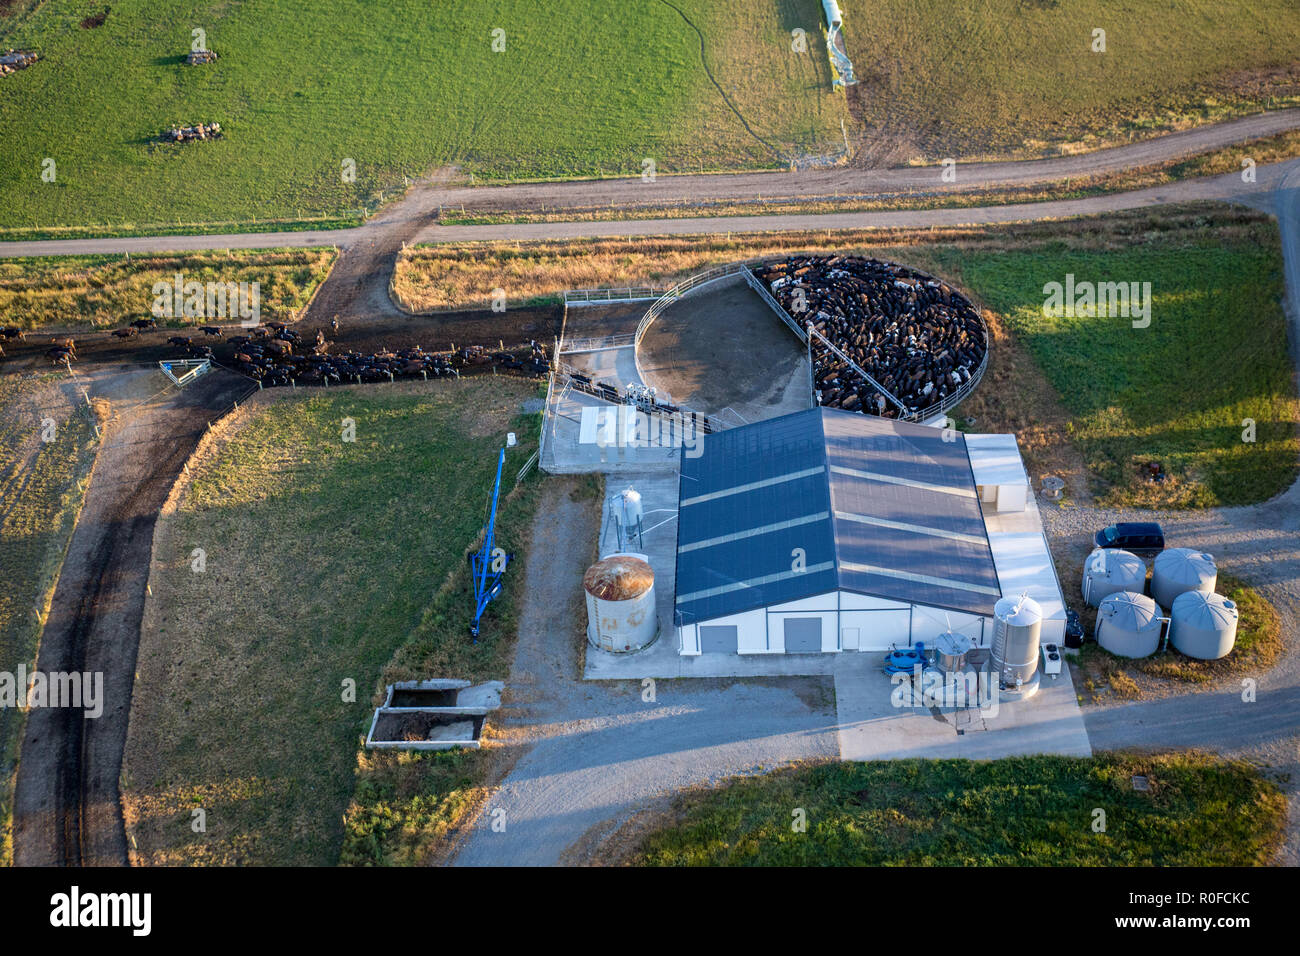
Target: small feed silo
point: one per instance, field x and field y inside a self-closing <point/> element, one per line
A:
<point x="1180" y="570"/>
<point x="1129" y="625"/>
<point x="1017" y="628"/>
<point x="1110" y="570"/>
<point x="620" y="592"/>
<point x="1203" y="625"/>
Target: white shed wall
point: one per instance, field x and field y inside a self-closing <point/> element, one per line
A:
<point x="879" y="628"/>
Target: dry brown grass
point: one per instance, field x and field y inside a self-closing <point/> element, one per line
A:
<point x="94" y="292"/>
<point x="463" y="275"/>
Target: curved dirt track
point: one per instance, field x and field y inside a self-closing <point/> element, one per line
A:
<point x="66" y="806"/>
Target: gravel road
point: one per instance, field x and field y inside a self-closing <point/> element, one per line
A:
<point x="414" y="217"/>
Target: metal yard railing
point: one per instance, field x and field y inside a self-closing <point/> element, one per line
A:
<point x="745" y="269"/>
<point x="598" y="344"/>
<point x="629" y="294"/>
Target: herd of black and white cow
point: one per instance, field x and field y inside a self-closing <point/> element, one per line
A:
<point x="916" y="337"/>
<point x="270" y="359"/>
<point x="276" y="355"/>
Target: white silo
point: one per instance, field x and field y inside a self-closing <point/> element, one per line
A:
<point x="1180" y="570"/>
<point x="1110" y="570"/>
<point x="620" y="591"/>
<point x="1203" y="625"/>
<point x="1017" y="627"/>
<point x="1129" y="624"/>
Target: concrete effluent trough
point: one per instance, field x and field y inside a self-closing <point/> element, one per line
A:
<point x="433" y="715"/>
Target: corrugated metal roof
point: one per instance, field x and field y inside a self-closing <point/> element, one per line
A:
<point x="879" y="507"/>
<point x="995" y="460"/>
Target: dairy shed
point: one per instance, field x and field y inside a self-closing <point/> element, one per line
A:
<point x="826" y="531"/>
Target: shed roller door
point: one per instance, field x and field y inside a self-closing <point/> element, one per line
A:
<point x="803" y="635"/>
<point x="719" y="639"/>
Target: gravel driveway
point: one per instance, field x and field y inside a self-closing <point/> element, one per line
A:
<point x="598" y="751"/>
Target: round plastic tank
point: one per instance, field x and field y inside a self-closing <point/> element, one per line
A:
<point x="620" y="592"/>
<point x="1128" y="624"/>
<point x="1180" y="570"/>
<point x="1017" y="627"/>
<point x="1203" y="625"/>
<point x="951" y="650"/>
<point x="1109" y="571"/>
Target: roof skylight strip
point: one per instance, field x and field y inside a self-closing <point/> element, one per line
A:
<point x="751" y="486"/>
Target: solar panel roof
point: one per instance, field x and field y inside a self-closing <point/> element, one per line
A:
<point x="822" y="500"/>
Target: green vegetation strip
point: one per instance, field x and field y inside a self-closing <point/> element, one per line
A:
<point x="323" y="557"/>
<point x="1022" y="811"/>
<point x="41" y="485"/>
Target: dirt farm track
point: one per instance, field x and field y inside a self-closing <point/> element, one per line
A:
<point x="67" y="809"/>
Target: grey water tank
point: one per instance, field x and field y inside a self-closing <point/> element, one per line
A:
<point x="1017" y="627"/>
<point x="1129" y="624"/>
<point x="1203" y="625"/>
<point x="1180" y="570"/>
<point x="1110" y="570"/>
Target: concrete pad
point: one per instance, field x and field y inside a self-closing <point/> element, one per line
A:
<point x="721" y="350"/>
<point x="565" y="454"/>
<point x="617" y="366"/>
<point x="872" y="728"/>
<point x="662" y="662"/>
